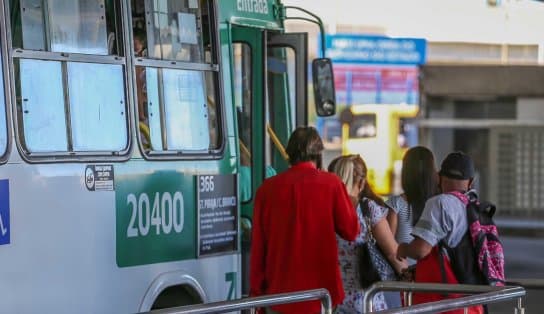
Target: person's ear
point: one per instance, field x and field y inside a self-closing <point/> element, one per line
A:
<point x="470" y="182"/>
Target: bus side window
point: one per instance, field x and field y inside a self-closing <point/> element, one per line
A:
<point x="42" y="109"/>
<point x="98" y="119"/>
<point x="76" y="26"/>
<point x="186" y="110"/>
<point x="3" y="118"/>
<point x="86" y="33"/>
<point x="281" y="77"/>
<point x="243" y="98"/>
<point x="77" y="104"/>
<point x="177" y="109"/>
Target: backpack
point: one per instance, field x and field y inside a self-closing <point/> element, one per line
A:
<point x="479" y="257"/>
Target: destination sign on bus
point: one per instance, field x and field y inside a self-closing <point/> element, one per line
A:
<point x="4" y="212"/>
<point x="217" y="214"/>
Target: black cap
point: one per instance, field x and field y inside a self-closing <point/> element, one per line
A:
<point x="457" y="165"/>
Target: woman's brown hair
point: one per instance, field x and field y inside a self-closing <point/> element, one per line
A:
<point x="305" y="145"/>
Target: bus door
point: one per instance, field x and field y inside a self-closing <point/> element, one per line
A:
<point x="270" y="95"/>
<point x="269" y="85"/>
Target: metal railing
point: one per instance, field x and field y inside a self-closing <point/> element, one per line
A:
<point x="251" y="303"/>
<point x="481" y="295"/>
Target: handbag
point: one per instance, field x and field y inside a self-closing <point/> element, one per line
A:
<point x="373" y="266"/>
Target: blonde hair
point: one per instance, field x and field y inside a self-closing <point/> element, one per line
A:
<point x="350" y="169"/>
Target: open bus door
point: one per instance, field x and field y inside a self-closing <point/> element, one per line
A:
<point x="270" y="95"/>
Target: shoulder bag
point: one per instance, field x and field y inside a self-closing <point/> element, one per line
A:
<point x="373" y="266"/>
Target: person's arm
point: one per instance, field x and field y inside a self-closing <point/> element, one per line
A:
<point x="429" y="230"/>
<point x="346" y="222"/>
<point x="393" y="220"/>
<point x="417" y="249"/>
<point x="387" y="243"/>
<point x="258" y="252"/>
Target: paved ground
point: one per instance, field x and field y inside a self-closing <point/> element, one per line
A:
<point x="524" y="259"/>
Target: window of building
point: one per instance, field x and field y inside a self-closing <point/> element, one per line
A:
<point x="363" y="126"/>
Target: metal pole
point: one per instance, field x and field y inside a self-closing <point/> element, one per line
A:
<point x="519" y="309"/>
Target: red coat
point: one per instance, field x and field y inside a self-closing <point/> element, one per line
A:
<point x="296" y="217"/>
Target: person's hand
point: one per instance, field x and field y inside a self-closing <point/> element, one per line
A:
<point x="401" y="251"/>
<point x="407" y="274"/>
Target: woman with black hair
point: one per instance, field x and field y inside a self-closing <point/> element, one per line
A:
<point x="419" y="180"/>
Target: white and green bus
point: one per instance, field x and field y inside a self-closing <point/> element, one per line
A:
<point x="125" y="128"/>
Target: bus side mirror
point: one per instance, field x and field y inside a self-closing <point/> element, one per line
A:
<point x="323" y="79"/>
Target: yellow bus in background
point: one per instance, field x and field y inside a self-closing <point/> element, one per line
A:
<point x="381" y="134"/>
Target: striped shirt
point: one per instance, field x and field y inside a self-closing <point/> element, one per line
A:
<point x="404" y="225"/>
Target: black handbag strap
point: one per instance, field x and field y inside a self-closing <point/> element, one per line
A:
<point x="363" y="202"/>
<point x="365" y="210"/>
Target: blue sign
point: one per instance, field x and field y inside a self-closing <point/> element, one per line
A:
<point x="361" y="49"/>
<point x="4" y="212"/>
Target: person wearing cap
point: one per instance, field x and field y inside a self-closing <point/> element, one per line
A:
<point x="443" y="222"/>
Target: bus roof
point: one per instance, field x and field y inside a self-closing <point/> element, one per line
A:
<point x="252" y="13"/>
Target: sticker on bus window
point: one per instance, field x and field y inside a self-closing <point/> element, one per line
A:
<point x="187" y="28"/>
<point x="99" y="177"/>
<point x="4" y="212"/>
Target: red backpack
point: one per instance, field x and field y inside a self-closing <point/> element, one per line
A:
<point x="479" y="257"/>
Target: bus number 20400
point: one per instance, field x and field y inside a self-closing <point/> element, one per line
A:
<point x="166" y="214"/>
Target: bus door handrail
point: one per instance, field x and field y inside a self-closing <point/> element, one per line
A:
<point x="409" y="288"/>
<point x="277" y="142"/>
<point x="253" y="302"/>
